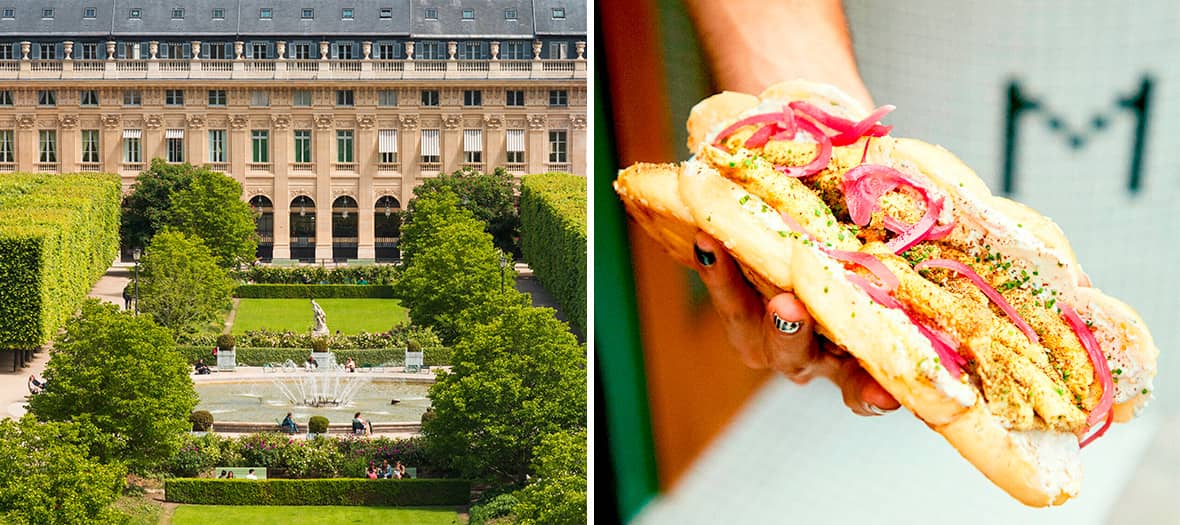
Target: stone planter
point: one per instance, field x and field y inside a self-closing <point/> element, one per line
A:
<point x="227" y="360"/>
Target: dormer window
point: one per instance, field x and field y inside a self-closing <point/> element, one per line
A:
<point x="346" y="13"/>
<point x="47" y="13"/>
<point x="468" y="14"/>
<point x="308" y="13"/>
<point x="559" y="13"/>
<point x="90" y="12"/>
<point x="219" y="13"/>
<point x="386" y="12"/>
<point x="431" y="13"/>
<point x="178" y="13"/>
<point x="9" y="13"/>
<point x="266" y="13"/>
<point x="509" y="14"/>
<point x="135" y="14"/>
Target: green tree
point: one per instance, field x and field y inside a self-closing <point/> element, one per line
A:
<point x="211" y="208"/>
<point x="433" y="211"/>
<point x="122" y="373"/>
<point x="489" y="196"/>
<point x="514" y="380"/>
<point x="49" y="476"/>
<point x="146" y="209"/>
<point x="181" y="283"/>
<point x="558" y="494"/>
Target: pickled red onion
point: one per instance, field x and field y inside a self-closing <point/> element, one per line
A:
<point x="991" y="293"/>
<point x="947" y="354"/>
<point x="911" y="236"/>
<point x="1101" y="367"/>
<point x="846" y="130"/>
<point x="1097" y="434"/>
<point x="875" y="292"/>
<point x="864" y="185"/>
<point x="822" y="156"/>
<point x="889" y="281"/>
<point x="765" y="118"/>
<point x="761" y="137"/>
<point x="936" y="233"/>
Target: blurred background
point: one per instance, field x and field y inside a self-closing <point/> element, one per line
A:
<point x="1069" y="108"/>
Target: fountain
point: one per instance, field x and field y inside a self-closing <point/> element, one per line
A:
<point x="329" y="388"/>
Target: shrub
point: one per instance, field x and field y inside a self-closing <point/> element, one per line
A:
<point x="58" y="234"/>
<point x="317" y="425"/>
<point x="312" y="458"/>
<point x="202" y="420"/>
<point x="319" y="344"/>
<point x="371" y="274"/>
<point x="340" y="491"/>
<point x="496" y="507"/>
<point x="226" y="342"/>
<point x="263" y="449"/>
<point x="553" y="238"/>
<point x="199" y="454"/>
<point x="397" y="337"/>
<point x="315" y="291"/>
<point x="247" y="356"/>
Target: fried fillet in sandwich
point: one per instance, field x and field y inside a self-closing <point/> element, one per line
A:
<point x="970" y="309"/>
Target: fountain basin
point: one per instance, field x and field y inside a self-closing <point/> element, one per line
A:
<point x="264" y="401"/>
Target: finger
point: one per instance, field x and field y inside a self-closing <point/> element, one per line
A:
<point x="738" y="304"/>
<point x="862" y="394"/>
<point x="789" y="338"/>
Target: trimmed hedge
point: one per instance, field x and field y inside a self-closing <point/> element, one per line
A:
<point x="337" y="491"/>
<point x="58" y="235"/>
<point x="372" y="274"/>
<point x="553" y="238"/>
<point x="317" y="291"/>
<point x="436" y="356"/>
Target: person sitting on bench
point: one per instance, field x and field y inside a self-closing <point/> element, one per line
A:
<point x="35" y="386"/>
<point x="202" y="368"/>
<point x="288" y="425"/>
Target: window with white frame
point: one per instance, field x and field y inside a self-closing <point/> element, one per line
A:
<point x="260" y="50"/>
<point x="386" y="13"/>
<point x="558" y="98"/>
<point x="558" y="146"/>
<point x="260" y="98"/>
<point x="266" y="13"/>
<point x="132" y="97"/>
<point x="514" y="97"/>
<point x="558" y="50"/>
<point x="260" y="143"/>
<point x="135" y="14"/>
<point x="174" y="145"/>
<point x="509" y="14"/>
<point x="347" y="13"/>
<point x="88" y="97"/>
<point x="131" y="50"/>
<point x="345" y="97"/>
<point x="429" y="97"/>
<point x="472" y="146"/>
<point x="558" y="13"/>
<point x="46" y="97"/>
<point x="515" y="50"/>
<point x="217" y="97"/>
<point x="307" y="13"/>
<point x="90" y="147"/>
<point x="174" y="97"/>
<point x="47" y="13"/>
<point x="217" y="51"/>
<point x="6" y="51"/>
<point x="89" y="51"/>
<point x="471" y="51"/>
<point x="5" y="97"/>
<point x="387" y="146"/>
<point x="431" y="14"/>
<point x="515" y="146"/>
<point x="132" y="146"/>
<point x="344" y="50"/>
<point x="430" y="149"/>
<point x="48" y="51"/>
<point x="429" y="50"/>
<point x="468" y="14"/>
<point x="48" y="145"/>
<point x="386" y="51"/>
<point x="301" y="97"/>
<point x="302" y="51"/>
<point x="7" y="151"/>
<point x="90" y="13"/>
<point x="178" y="13"/>
<point x="303" y="146"/>
<point x="219" y="13"/>
<point x="472" y="97"/>
<point x="387" y="98"/>
<point x="344" y="144"/>
<point x="9" y="13"/>
<point x="217" y="146"/>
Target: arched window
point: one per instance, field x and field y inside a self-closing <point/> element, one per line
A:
<point x="387" y="225"/>
<point x="264" y="226"/>
<point x="303" y="228"/>
<point x="344" y="228"/>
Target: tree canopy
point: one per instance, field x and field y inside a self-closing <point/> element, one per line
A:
<point x="146" y="209"/>
<point x="490" y="197"/>
<point x="48" y="474"/>
<point x="514" y="380"/>
<point x="181" y="284"/>
<point x="122" y="373"/>
<point x="211" y="208"/>
<point x="558" y="494"/>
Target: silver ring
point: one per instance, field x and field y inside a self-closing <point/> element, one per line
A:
<point x="786" y="327"/>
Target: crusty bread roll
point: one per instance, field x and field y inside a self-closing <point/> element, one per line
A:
<point x="1039" y="467"/>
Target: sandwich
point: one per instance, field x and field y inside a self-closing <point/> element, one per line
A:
<point x="970" y="309"/>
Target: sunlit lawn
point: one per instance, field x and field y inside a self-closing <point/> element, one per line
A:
<point x="310" y="515"/>
<point x="350" y="316"/>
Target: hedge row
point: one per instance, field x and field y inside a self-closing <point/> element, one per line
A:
<point x="370" y="274"/>
<point x="436" y="356"/>
<point x="402" y="492"/>
<point x="58" y="235"/>
<point x="318" y="291"/>
<point x="553" y="238"/>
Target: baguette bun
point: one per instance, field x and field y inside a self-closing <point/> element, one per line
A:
<point x="671" y="202"/>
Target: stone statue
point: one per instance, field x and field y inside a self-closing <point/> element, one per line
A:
<point x="321" y="320"/>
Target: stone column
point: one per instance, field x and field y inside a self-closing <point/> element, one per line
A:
<point x="110" y="148"/>
<point x="111" y="49"/>
<point x="240" y="153"/>
<point x="495" y="49"/>
<point x="577" y="146"/>
<point x="409" y="50"/>
<point x="495" y="146"/>
<point x="409" y="157"/>
<point x="323" y="144"/>
<point x="366" y="157"/>
<point x="69" y="149"/>
<point x="26" y="142"/>
<point x="68" y="46"/>
<point x="153" y="48"/>
<point x="280" y="143"/>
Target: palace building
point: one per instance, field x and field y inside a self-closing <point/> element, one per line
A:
<point x="328" y="113"/>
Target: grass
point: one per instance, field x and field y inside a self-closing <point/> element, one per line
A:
<point x="350" y="316"/>
<point x="311" y="515"/>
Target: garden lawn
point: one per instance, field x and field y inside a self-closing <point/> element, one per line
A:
<point x="350" y="316"/>
<point x="311" y="515"/>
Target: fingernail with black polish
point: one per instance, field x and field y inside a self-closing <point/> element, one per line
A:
<point x="705" y="258"/>
<point x="786" y="327"/>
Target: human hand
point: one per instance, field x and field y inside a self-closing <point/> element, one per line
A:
<point x="780" y="334"/>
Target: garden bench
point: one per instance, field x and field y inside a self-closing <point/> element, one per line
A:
<point x="240" y="472"/>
